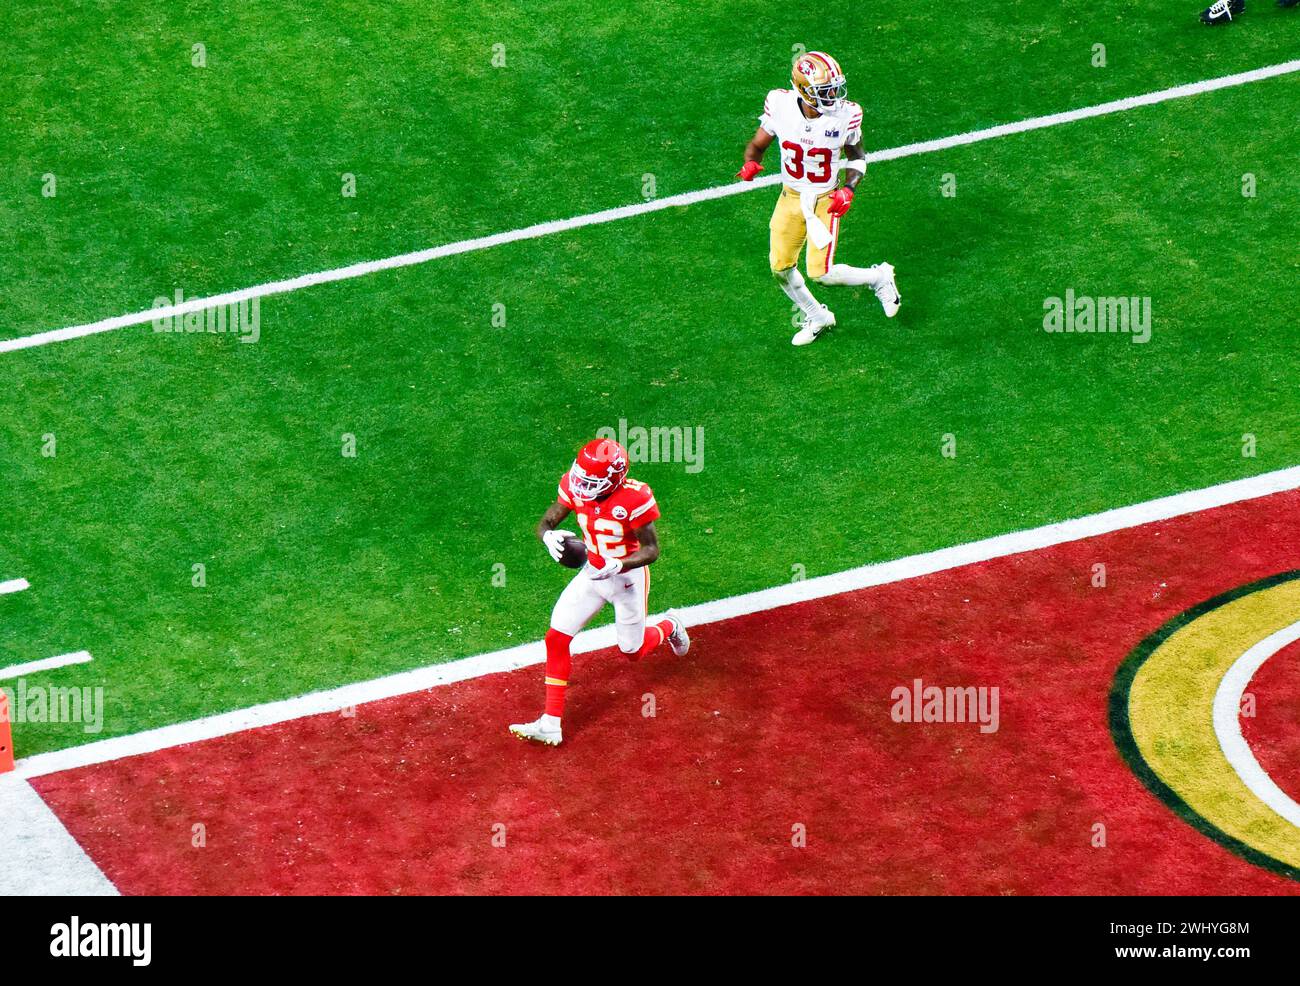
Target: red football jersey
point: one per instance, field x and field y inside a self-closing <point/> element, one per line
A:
<point x="607" y="524"/>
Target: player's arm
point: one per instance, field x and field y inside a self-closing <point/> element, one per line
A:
<point x="758" y="144"/>
<point x="552" y="519"/>
<point x="547" y="528"/>
<point x="855" y="168"/>
<point x="754" y="150"/>
<point x="648" y="552"/>
<point x="854" y="172"/>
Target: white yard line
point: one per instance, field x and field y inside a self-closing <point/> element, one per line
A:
<point x="14" y="585"/>
<point x="532" y="653"/>
<point x="1227" y="723"/>
<point x="45" y="664"/>
<point x="628" y="211"/>
<point x="38" y="857"/>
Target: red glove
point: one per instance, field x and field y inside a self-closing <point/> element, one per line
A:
<point x="841" y="199"/>
<point x="748" y="170"/>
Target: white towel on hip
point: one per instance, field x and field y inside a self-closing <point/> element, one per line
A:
<point x="817" y="231"/>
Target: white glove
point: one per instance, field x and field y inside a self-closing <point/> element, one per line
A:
<point x="554" y="541"/>
<point x="612" y="567"/>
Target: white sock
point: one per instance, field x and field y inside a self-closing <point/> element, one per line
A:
<point x="795" y="288"/>
<point x="873" y="277"/>
<point x="550" y="721"/>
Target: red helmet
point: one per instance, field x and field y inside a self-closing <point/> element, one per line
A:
<point x="599" y="469"/>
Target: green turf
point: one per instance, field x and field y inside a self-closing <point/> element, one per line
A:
<point x="175" y="450"/>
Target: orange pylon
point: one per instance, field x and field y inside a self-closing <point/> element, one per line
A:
<point x="6" y="736"/>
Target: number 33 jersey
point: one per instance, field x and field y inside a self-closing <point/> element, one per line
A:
<point x="810" y="149"/>
<point x="607" y="524"/>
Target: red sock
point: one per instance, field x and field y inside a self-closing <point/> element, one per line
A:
<point x="558" y="662"/>
<point x="655" y="634"/>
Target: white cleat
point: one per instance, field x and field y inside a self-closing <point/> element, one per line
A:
<point x="679" y="640"/>
<point x="887" y="293"/>
<point x="545" y="730"/>
<point x="813" y="326"/>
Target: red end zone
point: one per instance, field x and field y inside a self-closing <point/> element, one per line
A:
<point x="1273" y="732"/>
<point x="775" y="720"/>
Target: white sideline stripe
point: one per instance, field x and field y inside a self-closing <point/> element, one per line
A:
<point x="524" y="655"/>
<point x="14" y="585"/>
<point x="1227" y="723"/>
<point x="1087" y="112"/>
<point x="38" y="856"/>
<point x="628" y="211"/>
<point x="45" y="664"/>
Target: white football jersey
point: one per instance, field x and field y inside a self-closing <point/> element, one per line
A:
<point x="810" y="149"/>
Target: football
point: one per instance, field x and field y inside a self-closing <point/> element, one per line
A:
<point x="574" y="554"/>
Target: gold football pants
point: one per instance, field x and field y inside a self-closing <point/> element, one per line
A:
<point x="789" y="231"/>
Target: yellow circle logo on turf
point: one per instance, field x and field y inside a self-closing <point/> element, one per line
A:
<point x="1163" y="718"/>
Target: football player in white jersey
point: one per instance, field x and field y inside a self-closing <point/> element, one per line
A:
<point x="820" y="134"/>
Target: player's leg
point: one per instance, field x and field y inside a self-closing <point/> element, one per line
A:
<point x="787" y="233"/>
<point x="823" y="268"/>
<point x="577" y="604"/>
<point x="879" y="277"/>
<point x="631" y="600"/>
<point x="816" y="316"/>
<point x="821" y="260"/>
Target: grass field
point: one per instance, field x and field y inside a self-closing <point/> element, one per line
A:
<point x="175" y="450"/>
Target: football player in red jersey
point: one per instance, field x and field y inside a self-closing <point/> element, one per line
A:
<point x="617" y="516"/>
